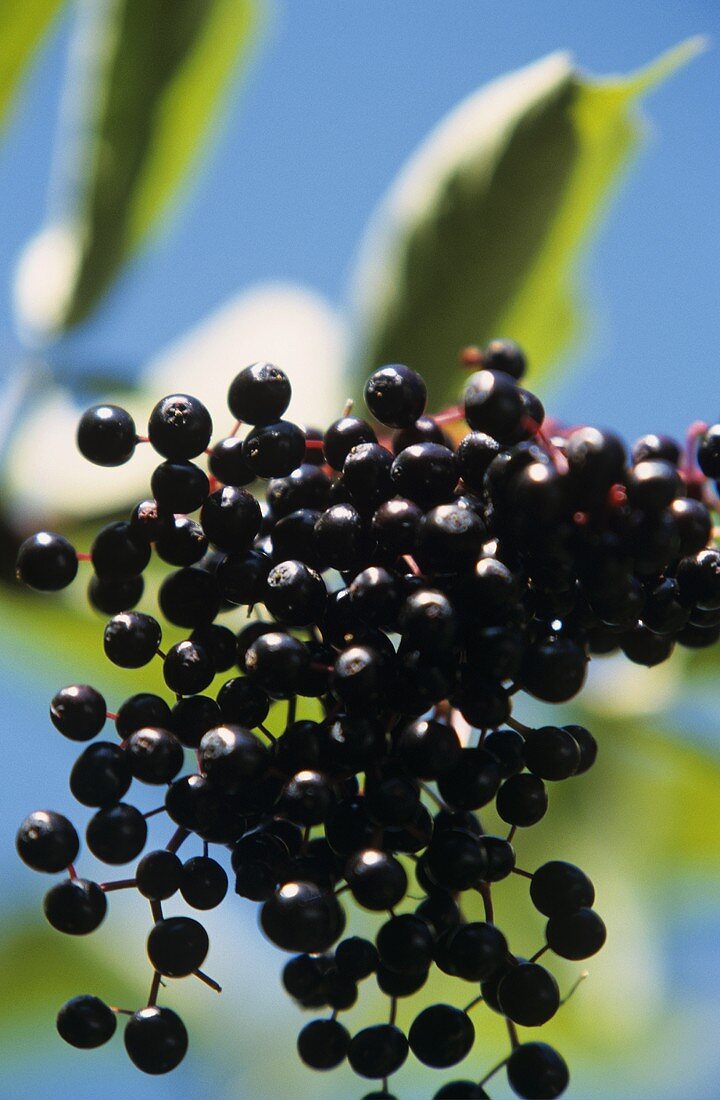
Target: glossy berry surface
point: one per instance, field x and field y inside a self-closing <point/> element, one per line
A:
<point x="106" y="435"/>
<point x="86" y="1022"/>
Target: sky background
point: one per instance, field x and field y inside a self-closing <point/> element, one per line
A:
<point x="338" y="97"/>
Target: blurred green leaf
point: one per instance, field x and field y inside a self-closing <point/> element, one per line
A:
<point x="478" y="236"/>
<point x="42" y="969"/>
<point x="152" y="77"/>
<point x="23" y="24"/>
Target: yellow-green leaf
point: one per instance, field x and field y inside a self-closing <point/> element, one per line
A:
<point x="23" y="24"/>
<point x="478" y="236"/>
<point x="149" y="79"/>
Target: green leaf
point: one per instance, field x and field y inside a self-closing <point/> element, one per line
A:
<point x="153" y="75"/>
<point x="23" y="24"/>
<point x="479" y="235"/>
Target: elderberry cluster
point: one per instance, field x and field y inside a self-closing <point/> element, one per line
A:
<point x="398" y="592"/>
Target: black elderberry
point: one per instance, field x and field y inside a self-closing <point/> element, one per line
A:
<point x="400" y="985"/>
<point x="187" y="668"/>
<point x="377" y="1051"/>
<point x="46" y="562"/>
<point x="177" y="946"/>
<point x="493" y="404"/>
<point x="424" y="430"/>
<point x="441" y="1036"/>
<point x="559" y="887"/>
<point x="75" y="906"/>
<point x="587" y="745"/>
<point x="181" y="541"/>
<point x="295" y="594"/>
<point x="101" y="774"/>
<point x="359" y="677"/>
<point x="653" y="446"/>
<point x="474" y="454"/>
<point x="242" y="703"/>
<point x="554" y="668"/>
<point x="117" y="553"/>
<point x="349" y="828"/>
<point x="303" y="976"/>
<point x="375" y="597"/>
<point x="86" y="1022"/>
<point x="131" y="639"/>
<point x="507" y="746"/>
<point x="528" y="994"/>
<point x="576" y="934"/>
<point x="698" y="579"/>
<point x="377" y="880"/>
<point x="522" y="800"/>
<point x="693" y="524"/>
<point x="231" y="518"/>
<point x="405" y="944"/>
<point x="241" y="577"/>
<point x="456" y="859"/>
<point x="158" y="875"/>
<point x="117" y="834"/>
<point x="551" y="752"/>
<point x="259" y="394"/>
<point x="156" y="1039"/>
<point x="395" y="526"/>
<point x="78" y="711"/>
<point x="428" y="748"/>
<point x="342" y="436"/>
<point x="106" y="435"/>
<point x="111" y="597"/>
<point x="708" y="455"/>
<point x="227" y="462"/>
<point x="500" y="858"/>
<point x="230" y="754"/>
<point x="537" y="1072"/>
<point x="203" y="882"/>
<point x="274" y="449"/>
<point x="472" y="951"/>
<point x="440" y="910"/>
<point x="366" y="474"/>
<point x="487" y="594"/>
<point x="461" y="1090"/>
<point x="143" y="709"/>
<point x="323" y="1044"/>
<point x="302" y="917"/>
<point x="356" y="958"/>
<point x="307" y="798"/>
<point x="449" y="539"/>
<point x="425" y="473"/>
<point x="154" y="755"/>
<point x="340" y="537"/>
<point x="396" y="396"/>
<point x="293" y="537"/>
<point x="47" y="841"/>
<point x="179" y="486"/>
<point x="307" y="486"/>
<point x="179" y="427"/>
<point x="219" y="643"/>
<point x="190" y="597"/>
<point x="275" y="662"/>
<point x="644" y="647"/>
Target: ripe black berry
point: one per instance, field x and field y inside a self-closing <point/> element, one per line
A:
<point x="529" y="994"/>
<point x="46" y="562"/>
<point x="131" y="639"/>
<point x="378" y="1051"/>
<point x="537" y="1072"/>
<point x="576" y="934"/>
<point x="179" y="427"/>
<point x="154" y="755"/>
<point x="275" y="449"/>
<point x="86" y="1022"/>
<point x="441" y="1036"/>
<point x="78" y="711"/>
<point x="187" y="668"/>
<point x="177" y="945"/>
<point x="323" y="1044"/>
<point x="156" y="1039"/>
<point x="47" y="841"/>
<point x="106" y="435"/>
<point x="117" y="834"/>
<point x="101" y="774"/>
<point x="75" y="906"/>
<point x="259" y="394"/>
<point x="158" y="875"/>
<point x="396" y="396"/>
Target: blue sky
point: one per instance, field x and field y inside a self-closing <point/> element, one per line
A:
<point x="338" y="96"/>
